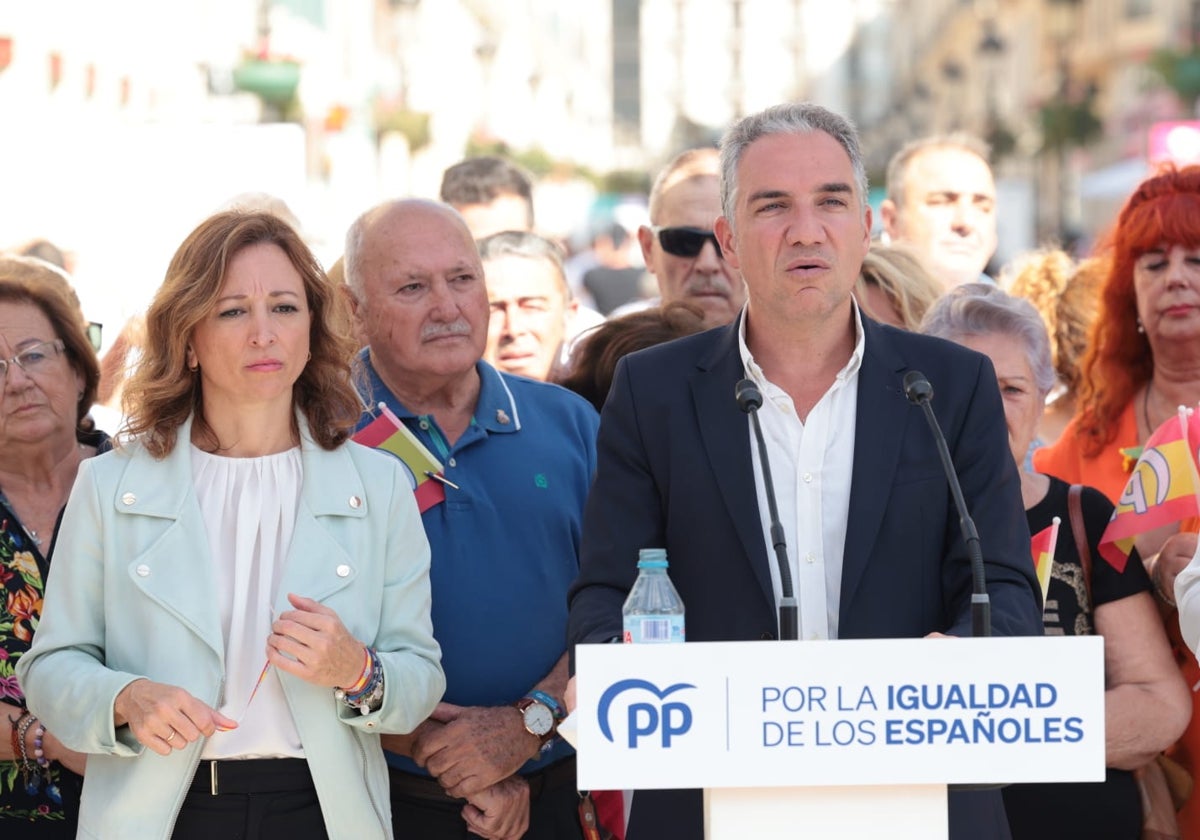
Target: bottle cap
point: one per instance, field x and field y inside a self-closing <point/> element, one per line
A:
<point x="652" y="558"/>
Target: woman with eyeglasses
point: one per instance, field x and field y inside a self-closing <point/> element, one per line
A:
<point x="48" y="377"/>
<point x="242" y="604"/>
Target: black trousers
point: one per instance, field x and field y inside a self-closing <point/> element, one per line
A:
<point x="422" y="811"/>
<point x="256" y="799"/>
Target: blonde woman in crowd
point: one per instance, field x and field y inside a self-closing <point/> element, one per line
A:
<point x="894" y="287"/>
<point x="1067" y="296"/>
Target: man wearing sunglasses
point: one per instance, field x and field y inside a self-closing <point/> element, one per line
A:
<point x="679" y="246"/>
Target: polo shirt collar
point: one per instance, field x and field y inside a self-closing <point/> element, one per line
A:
<point x="495" y="410"/>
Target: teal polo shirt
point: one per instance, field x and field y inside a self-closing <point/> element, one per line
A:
<point x="505" y="542"/>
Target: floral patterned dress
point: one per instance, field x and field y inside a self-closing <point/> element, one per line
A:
<point x="49" y="809"/>
<point x="47" y="801"/>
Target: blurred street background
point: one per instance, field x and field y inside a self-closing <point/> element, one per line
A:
<point x="126" y="122"/>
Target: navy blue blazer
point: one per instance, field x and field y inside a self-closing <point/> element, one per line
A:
<point x="674" y="470"/>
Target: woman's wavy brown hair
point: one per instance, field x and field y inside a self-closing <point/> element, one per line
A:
<point x="594" y="361"/>
<point x="42" y="285"/>
<point x="163" y="392"/>
<point x="1163" y="211"/>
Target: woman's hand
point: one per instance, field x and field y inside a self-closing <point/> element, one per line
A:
<point x="311" y="643"/>
<point x="1147" y="704"/>
<point x="55" y="751"/>
<point x="165" y="717"/>
<point x="1176" y="554"/>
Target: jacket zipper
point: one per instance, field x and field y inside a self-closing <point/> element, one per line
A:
<point x="367" y="786"/>
<point x="199" y="747"/>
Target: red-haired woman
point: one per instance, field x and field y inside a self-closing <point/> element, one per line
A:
<point x="1142" y="363"/>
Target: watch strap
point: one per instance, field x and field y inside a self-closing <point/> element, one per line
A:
<point x="549" y="702"/>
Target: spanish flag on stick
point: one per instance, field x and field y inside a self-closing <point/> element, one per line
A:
<point x="387" y="433"/>
<point x="1042" y="546"/>
<point x="1162" y="488"/>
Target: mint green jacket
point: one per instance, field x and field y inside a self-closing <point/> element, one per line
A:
<point x="132" y="594"/>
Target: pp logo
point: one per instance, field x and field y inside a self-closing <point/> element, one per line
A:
<point x="646" y="718"/>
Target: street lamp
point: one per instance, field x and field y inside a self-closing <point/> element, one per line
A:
<point x="1061" y="18"/>
<point x="991" y="49"/>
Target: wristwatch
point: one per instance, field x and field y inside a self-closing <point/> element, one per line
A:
<point x="539" y="717"/>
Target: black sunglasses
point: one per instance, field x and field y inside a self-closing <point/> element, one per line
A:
<point x="685" y="241"/>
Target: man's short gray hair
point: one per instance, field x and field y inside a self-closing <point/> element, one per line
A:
<point x="530" y="246"/>
<point x="788" y="118"/>
<point x="356" y="235"/>
<point x="897" y="169"/>
<point x="688" y="164"/>
<point x="984" y="309"/>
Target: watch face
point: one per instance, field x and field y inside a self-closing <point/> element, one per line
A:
<point x="539" y="720"/>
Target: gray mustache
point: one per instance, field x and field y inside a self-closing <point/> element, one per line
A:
<point x="443" y="330"/>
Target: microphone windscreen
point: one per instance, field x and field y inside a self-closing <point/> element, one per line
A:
<point x="748" y="397"/>
<point x="917" y="387"/>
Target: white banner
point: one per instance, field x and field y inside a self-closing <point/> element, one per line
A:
<point x="847" y="712"/>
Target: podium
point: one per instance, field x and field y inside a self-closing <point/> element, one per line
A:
<point x="841" y="738"/>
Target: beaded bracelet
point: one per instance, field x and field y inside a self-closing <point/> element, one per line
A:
<point x="30" y="780"/>
<point x="370" y="697"/>
<point x="39" y="755"/>
<point x="364" y="686"/>
<point x="364" y="677"/>
<point x="26" y="723"/>
<point x="15" y="739"/>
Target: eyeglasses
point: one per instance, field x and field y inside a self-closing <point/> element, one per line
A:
<point x="685" y="241"/>
<point x="35" y="359"/>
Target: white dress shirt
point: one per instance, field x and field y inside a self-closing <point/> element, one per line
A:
<point x="811" y="466"/>
<point x="249" y="508"/>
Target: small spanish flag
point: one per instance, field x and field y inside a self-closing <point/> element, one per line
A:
<point x="1042" y="546"/>
<point x="1162" y="488"/>
<point x="387" y="433"/>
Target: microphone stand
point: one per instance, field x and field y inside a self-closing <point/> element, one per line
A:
<point x="749" y="400"/>
<point x="919" y="391"/>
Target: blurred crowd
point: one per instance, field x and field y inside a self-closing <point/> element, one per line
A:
<point x="436" y="625"/>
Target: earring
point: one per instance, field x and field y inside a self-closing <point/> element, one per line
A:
<point x="1140" y="328"/>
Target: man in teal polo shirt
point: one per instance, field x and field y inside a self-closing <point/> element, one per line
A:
<point x="518" y="458"/>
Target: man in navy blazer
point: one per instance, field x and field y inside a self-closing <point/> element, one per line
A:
<point x="676" y="467"/>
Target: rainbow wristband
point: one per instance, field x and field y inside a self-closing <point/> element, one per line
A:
<point x="370" y="697"/>
<point x="364" y="677"/>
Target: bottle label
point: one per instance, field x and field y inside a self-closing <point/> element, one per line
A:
<point x="653" y="629"/>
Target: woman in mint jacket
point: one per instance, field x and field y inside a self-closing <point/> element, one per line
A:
<point x="240" y="604"/>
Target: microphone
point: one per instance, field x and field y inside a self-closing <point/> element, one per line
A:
<point x="750" y="400"/>
<point x="920" y="392"/>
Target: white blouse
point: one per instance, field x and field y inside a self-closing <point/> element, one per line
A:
<point x="249" y="509"/>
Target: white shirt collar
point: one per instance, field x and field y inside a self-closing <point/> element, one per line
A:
<point x="756" y="373"/>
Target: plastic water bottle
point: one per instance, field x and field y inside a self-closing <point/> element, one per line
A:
<point x="653" y="612"/>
